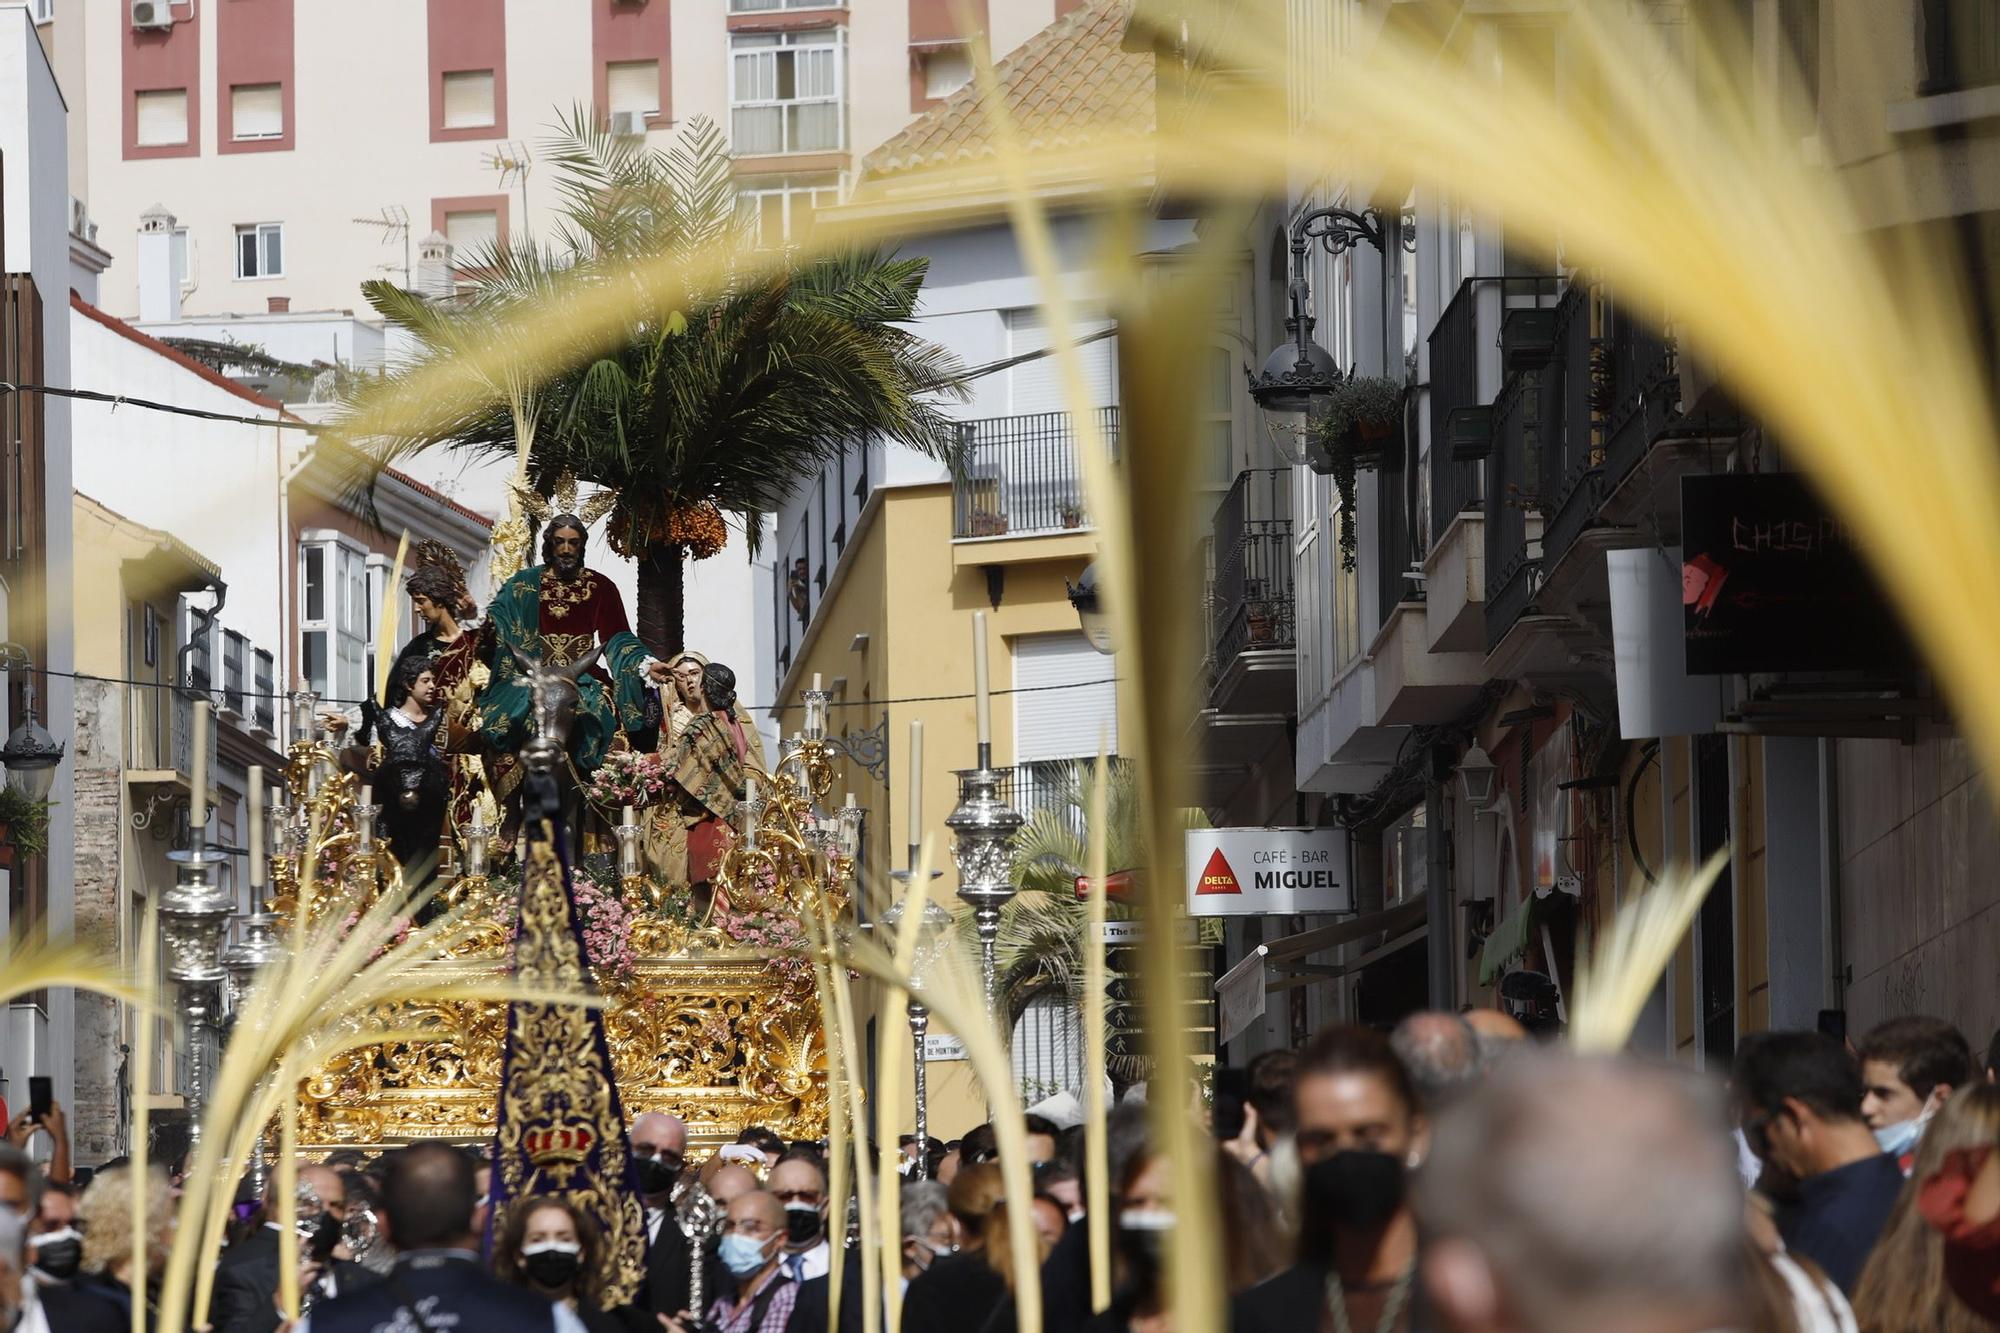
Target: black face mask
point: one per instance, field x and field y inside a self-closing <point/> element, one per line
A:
<point x="658" y="1174"/>
<point x="60" y="1259"/>
<point x="326" y="1234"/>
<point x="1355" y="1190"/>
<point x="802" y="1224"/>
<point x="1144" y="1250"/>
<point x="552" y="1270"/>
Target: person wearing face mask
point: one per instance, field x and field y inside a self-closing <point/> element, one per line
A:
<point x="55" y="1260"/>
<point x="1359" y="1132"/>
<point x="246" y="1277"/>
<point x="939" y="1299"/>
<point x="659" y="1147"/>
<point x="1909" y="1066"/>
<point x="753" y="1238"/>
<point x="555" y="1251"/>
<point x="800" y="1185"/>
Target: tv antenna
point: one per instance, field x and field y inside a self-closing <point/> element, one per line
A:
<point x="395" y="225"/>
<point x="513" y="161"/>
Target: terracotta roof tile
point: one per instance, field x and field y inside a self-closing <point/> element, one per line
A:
<point x="1068" y="83"/>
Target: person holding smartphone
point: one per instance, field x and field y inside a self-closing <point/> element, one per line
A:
<point x="45" y="1115"/>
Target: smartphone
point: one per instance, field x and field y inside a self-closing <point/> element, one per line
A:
<point x="1232" y="1091"/>
<point x="41" y="1097"/>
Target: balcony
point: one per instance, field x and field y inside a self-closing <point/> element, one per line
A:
<point x="1251" y="662"/>
<point x="1513" y="504"/>
<point x="1492" y="326"/>
<point x="1021" y="476"/>
<point x="1640" y="396"/>
<point x="1573" y="466"/>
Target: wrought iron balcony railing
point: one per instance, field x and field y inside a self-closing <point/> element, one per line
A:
<point x="1021" y="475"/>
<point x="1513" y="488"/>
<point x="1637" y="392"/>
<point x="1571" y="465"/>
<point x="1250" y="602"/>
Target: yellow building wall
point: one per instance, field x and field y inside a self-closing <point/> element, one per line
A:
<point x="912" y="590"/>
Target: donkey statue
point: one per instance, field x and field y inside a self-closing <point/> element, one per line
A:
<point x="551" y="790"/>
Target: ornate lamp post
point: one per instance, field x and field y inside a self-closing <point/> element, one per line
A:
<point x="983" y="828"/>
<point x="933" y="938"/>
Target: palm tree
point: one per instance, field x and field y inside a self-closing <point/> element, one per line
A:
<point x="722" y="408"/>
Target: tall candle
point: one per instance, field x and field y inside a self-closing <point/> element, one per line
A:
<point x="198" y="779"/>
<point x="980" y="684"/>
<point x="916" y="784"/>
<point x="256" y="824"/>
<point x="816" y="685"/>
<point x="627" y="818"/>
<point x="367" y="795"/>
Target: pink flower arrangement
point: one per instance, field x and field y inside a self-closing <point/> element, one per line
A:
<point x="606" y="923"/>
<point x="628" y="777"/>
<point x="400" y="933"/>
<point x="781" y="940"/>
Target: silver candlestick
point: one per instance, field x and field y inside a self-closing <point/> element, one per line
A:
<point x="194" y="914"/>
<point x="983" y="829"/>
<point x="257" y="944"/>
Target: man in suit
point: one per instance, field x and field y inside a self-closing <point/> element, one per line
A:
<point x="246" y="1279"/>
<point x="438" y="1281"/>
<point x="659" y="1151"/>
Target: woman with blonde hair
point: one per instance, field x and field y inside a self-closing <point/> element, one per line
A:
<point x="104" y="1214"/>
<point x="1903" y="1290"/>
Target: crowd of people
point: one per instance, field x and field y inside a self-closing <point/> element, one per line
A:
<point x="1449" y="1175"/>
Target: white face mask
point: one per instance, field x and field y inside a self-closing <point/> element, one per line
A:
<point x="1903" y="1136"/>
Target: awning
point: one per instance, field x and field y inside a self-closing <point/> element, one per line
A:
<point x="1397" y="926"/>
<point x="1510" y="939"/>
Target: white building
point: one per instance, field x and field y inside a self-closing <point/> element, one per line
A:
<point x="35" y="568"/>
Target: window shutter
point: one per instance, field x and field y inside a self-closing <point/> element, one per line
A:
<point x="1062" y="723"/>
<point x="471" y="234"/>
<point x="468" y="99"/>
<point x="632" y="85"/>
<point x="163" y="117"/>
<point x="1037" y="386"/>
<point x="257" y="111"/>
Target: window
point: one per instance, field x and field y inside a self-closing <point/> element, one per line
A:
<point x="946" y="71"/>
<point x="265" y="683"/>
<point x="1067" y="701"/>
<point x="468" y="99"/>
<point x="257" y="111"/>
<point x="1219" y="415"/>
<point x="774" y="6"/>
<point x="378" y="585"/>
<point x="42" y="11"/>
<point x="785" y="91"/>
<point x="260" y="250"/>
<point x="632" y="86"/>
<point x="1037" y="385"/>
<point x="472" y="233"/>
<point x="184" y="255"/>
<point x="779" y="209"/>
<point x="201" y="662"/>
<point x="333" y="616"/>
<point x="234" y="649"/>
<point x="151" y="645"/>
<point x="163" y="117"/>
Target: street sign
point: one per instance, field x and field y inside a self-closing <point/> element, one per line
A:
<point x="1259" y="871"/>
<point x="943" y="1046"/>
<point x="1239" y="995"/>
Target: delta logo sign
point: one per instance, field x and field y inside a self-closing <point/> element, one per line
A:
<point x="1254" y="871"/>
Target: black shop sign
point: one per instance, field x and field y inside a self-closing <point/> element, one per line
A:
<point x="1772" y="580"/>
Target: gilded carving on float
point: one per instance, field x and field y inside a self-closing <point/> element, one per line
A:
<point x="712" y="1016"/>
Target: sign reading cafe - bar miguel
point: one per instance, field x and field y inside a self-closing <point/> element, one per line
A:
<point x="1252" y="871"/>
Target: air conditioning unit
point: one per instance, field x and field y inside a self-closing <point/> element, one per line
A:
<point x="630" y="124"/>
<point x="152" y="14"/>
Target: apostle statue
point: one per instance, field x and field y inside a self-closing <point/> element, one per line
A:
<point x="560" y="611"/>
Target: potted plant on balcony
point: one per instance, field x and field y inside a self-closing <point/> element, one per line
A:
<point x="1072" y="515"/>
<point x="1362" y="421"/>
<point x="24" y="825"/>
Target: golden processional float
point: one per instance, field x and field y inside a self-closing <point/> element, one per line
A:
<point x="711" y="1016"/>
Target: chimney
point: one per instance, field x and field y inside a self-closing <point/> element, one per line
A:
<point x="278" y="305"/>
<point x="159" y="273"/>
<point x="434" y="276"/>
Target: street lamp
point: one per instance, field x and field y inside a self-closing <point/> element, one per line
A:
<point x="1090" y="609"/>
<point x="30" y="754"/>
<point x="1478" y="775"/>
<point x="1300" y="376"/>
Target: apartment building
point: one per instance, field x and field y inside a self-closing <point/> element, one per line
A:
<point x="307" y="147"/>
<point x="1501" y="700"/>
